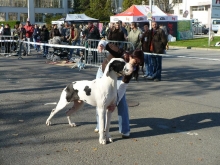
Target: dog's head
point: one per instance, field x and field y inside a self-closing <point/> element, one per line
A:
<point x="119" y="66"/>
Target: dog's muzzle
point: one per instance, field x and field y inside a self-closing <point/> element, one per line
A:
<point x="128" y="69"/>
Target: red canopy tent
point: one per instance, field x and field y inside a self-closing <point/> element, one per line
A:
<point x="138" y="13"/>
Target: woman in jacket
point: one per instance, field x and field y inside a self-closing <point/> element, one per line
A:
<point x="44" y="37"/>
<point x="7" y="32"/>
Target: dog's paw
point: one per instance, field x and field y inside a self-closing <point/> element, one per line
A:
<point x="48" y="122"/>
<point x="73" y="124"/>
<point x="102" y="141"/>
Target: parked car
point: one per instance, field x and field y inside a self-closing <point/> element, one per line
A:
<point x="199" y="28"/>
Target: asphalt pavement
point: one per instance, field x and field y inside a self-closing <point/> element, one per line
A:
<point x="177" y="120"/>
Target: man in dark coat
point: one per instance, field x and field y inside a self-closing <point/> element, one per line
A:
<point x="157" y="44"/>
<point x="44" y="37"/>
<point x="92" y="32"/>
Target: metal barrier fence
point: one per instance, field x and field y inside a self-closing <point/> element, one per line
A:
<point x="8" y="45"/>
<point x="94" y="58"/>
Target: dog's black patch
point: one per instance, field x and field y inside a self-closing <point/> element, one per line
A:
<point x="71" y="93"/>
<point x="117" y="66"/>
<point x="87" y="90"/>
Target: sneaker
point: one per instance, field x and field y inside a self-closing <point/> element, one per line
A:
<point x="126" y="135"/>
<point x="144" y="76"/>
<point x="149" y="77"/>
<point x="156" y="80"/>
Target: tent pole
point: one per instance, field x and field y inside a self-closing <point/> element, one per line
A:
<point x="150" y="4"/>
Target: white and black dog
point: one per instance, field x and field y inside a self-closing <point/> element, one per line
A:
<point x="100" y="92"/>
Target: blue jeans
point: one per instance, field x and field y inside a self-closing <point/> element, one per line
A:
<point x="123" y="115"/>
<point x="45" y="48"/>
<point x="37" y="47"/>
<point x="148" y="65"/>
<point x="74" y="43"/>
<point x="157" y="66"/>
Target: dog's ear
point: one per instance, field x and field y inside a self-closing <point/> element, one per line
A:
<point x="109" y="69"/>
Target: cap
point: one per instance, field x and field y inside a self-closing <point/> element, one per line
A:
<point x="114" y="50"/>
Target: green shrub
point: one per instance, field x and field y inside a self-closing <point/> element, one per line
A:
<point x="11" y="23"/>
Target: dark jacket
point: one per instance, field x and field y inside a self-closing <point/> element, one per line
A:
<point x="159" y="40"/>
<point x="54" y="32"/>
<point x="36" y="33"/>
<point x="6" y="31"/>
<point x="145" y="42"/>
<point x="116" y="35"/>
<point x="44" y="35"/>
<point x="93" y="33"/>
<point x="22" y="33"/>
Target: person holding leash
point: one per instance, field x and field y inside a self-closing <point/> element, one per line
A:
<point x="135" y="59"/>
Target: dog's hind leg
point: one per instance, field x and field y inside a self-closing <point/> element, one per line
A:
<point x="77" y="105"/>
<point x="61" y="104"/>
<point x="107" y="126"/>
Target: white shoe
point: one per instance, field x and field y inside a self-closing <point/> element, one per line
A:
<point x="126" y="135"/>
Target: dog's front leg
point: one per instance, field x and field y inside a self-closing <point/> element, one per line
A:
<point x="102" y="137"/>
<point x="107" y="126"/>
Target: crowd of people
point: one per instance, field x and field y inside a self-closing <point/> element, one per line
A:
<point x="148" y="40"/>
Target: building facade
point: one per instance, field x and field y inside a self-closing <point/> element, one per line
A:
<point x="33" y="10"/>
<point x="193" y="9"/>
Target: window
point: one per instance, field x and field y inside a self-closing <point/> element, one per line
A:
<point x="23" y="17"/>
<point x="181" y="11"/>
<point x="178" y="1"/>
<point x="38" y="17"/>
<point x="70" y="3"/>
<point x="2" y="16"/>
<point x="216" y="22"/>
<point x="171" y="12"/>
<point x="13" y="16"/>
<point x="198" y="8"/>
<point x="48" y="3"/>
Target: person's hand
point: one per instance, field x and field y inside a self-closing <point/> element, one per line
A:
<point x="100" y="48"/>
<point x="111" y="107"/>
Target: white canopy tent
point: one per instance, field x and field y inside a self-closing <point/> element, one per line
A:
<point x="79" y="18"/>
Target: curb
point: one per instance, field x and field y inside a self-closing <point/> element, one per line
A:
<point x="194" y="48"/>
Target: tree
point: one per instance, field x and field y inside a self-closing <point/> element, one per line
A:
<point x="126" y="4"/>
<point x="165" y="5"/>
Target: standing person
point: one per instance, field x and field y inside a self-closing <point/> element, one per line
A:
<point x="29" y="32"/>
<point x="134" y="36"/>
<point x="158" y="42"/>
<point x="55" y="32"/>
<point x="36" y="37"/>
<point x="7" y="32"/>
<point x="65" y="32"/>
<point x="74" y="39"/>
<point x="44" y="37"/>
<point x="22" y="35"/>
<point x="15" y="34"/>
<point x="103" y="32"/>
<point x="93" y="34"/>
<point x="116" y="33"/>
<point x="135" y="59"/>
<point x="145" y="45"/>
